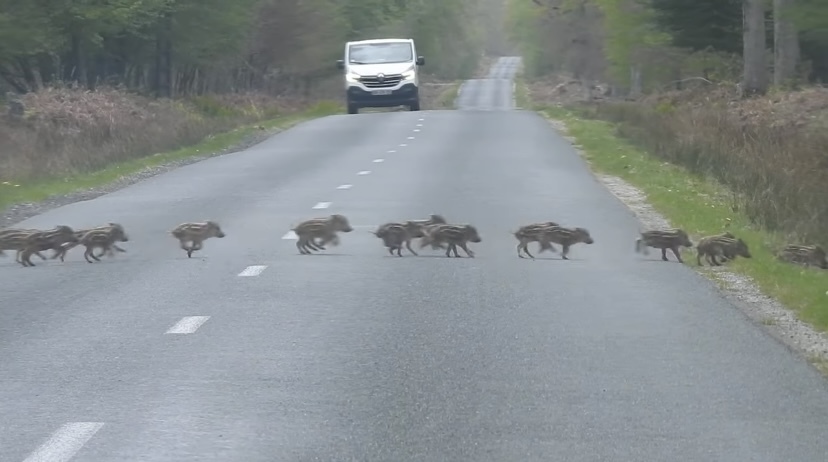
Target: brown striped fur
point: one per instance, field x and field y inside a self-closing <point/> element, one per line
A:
<point x="51" y="239"/>
<point x="452" y="235"/>
<point x="805" y="255"/>
<point x="533" y="232"/>
<point x="663" y="239"/>
<point x="15" y="239"/>
<point x="79" y="234"/>
<point x="394" y="235"/>
<point x="565" y="237"/>
<point x="725" y="246"/>
<point x="103" y="238"/>
<point x="325" y="228"/>
<point x="196" y="234"/>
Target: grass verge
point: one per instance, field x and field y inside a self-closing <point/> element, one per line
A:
<point x="702" y="207"/>
<point x="36" y="191"/>
<point x="445" y="99"/>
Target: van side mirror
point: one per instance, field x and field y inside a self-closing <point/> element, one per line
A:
<point x="420" y="61"/>
<point x="340" y="64"/>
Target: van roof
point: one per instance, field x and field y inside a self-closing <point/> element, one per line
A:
<point x="382" y="40"/>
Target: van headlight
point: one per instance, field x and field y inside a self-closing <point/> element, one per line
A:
<point x="352" y="77"/>
<point x="408" y="75"/>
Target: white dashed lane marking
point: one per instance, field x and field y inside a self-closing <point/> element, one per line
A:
<point x="421" y="120"/>
<point x="290" y="235"/>
<point x="416" y="129"/>
<point x="419" y="125"/>
<point x="377" y="161"/>
<point x="65" y="442"/>
<point x="364" y="172"/>
<point x="392" y="151"/>
<point x="403" y="145"/>
<point x="253" y="270"/>
<point x="410" y="137"/>
<point x="188" y="325"/>
<point x="322" y="205"/>
<point x="344" y="186"/>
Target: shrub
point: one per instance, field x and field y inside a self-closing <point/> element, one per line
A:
<point x="771" y="151"/>
<point x="66" y="130"/>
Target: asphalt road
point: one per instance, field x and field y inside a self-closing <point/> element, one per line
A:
<point x="356" y="355"/>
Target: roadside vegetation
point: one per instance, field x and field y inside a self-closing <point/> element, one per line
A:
<point x="723" y="126"/>
<point x="90" y="91"/>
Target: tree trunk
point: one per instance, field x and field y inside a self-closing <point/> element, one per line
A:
<point x="755" y="77"/>
<point x="785" y="44"/>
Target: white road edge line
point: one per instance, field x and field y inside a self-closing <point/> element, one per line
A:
<point x="65" y="442"/>
<point x="364" y="172"/>
<point x="377" y="161"/>
<point x="253" y="270"/>
<point x="345" y="186"/>
<point x="188" y="325"/>
<point x="322" y="205"/>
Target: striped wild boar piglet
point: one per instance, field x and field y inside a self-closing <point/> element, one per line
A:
<point x="805" y="255"/>
<point x="325" y="229"/>
<point x="15" y="239"/>
<point x="415" y="228"/>
<point x="452" y="235"/>
<point x="103" y="238"/>
<point x="663" y="239"/>
<point x="565" y="237"/>
<point x="196" y="234"/>
<point x="394" y="235"/>
<point x="533" y="232"/>
<point x="725" y="246"/>
<point x="79" y="234"/>
<point x="52" y="239"/>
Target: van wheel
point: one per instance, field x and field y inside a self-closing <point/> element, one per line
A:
<point x="353" y="109"/>
<point x="415" y="106"/>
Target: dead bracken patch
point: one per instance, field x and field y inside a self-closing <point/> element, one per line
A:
<point x="66" y="131"/>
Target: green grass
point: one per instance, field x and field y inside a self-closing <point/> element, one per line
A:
<point x="446" y="98"/>
<point x="12" y="193"/>
<point x="522" y="100"/>
<point x="701" y="207"/>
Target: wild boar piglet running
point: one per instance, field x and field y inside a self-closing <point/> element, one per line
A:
<point x="415" y="227"/>
<point x="15" y="239"/>
<point x="725" y="246"/>
<point x="79" y="234"/>
<point x="533" y="232"/>
<point x="805" y="255"/>
<point x="452" y="235"/>
<point x="325" y="229"/>
<point x="565" y="237"/>
<point x="663" y="239"/>
<point x="51" y="239"/>
<point x="196" y="234"/>
<point x="103" y="238"/>
<point x="393" y="236"/>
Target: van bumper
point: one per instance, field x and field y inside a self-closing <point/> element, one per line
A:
<point x="408" y="93"/>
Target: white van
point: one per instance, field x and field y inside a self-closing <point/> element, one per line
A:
<point x="381" y="73"/>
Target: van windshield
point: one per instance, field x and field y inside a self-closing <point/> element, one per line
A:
<point x="376" y="53"/>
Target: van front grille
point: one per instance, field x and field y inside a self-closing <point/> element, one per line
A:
<point x="376" y="82"/>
